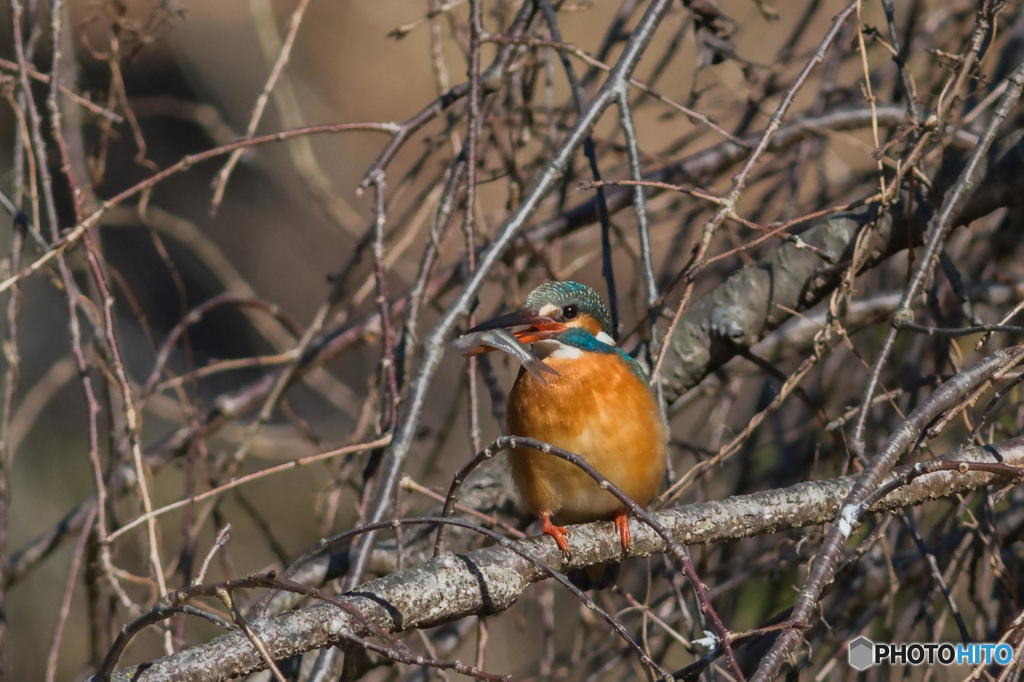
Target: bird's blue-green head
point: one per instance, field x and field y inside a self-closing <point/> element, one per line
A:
<point x="572" y="304"/>
<point x="555" y="309"/>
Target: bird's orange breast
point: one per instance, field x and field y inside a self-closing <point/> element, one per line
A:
<point x="597" y="408"/>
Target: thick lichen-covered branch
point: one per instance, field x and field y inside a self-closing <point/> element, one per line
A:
<point x="491" y="579"/>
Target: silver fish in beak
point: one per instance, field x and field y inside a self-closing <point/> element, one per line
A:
<point x="499" y="338"/>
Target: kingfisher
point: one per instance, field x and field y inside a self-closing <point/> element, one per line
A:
<point x="592" y="399"/>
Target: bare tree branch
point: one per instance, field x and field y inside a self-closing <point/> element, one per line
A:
<point x="491" y="579"/>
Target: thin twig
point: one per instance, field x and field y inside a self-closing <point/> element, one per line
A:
<point x="248" y="478"/>
<point x="224" y="174"/>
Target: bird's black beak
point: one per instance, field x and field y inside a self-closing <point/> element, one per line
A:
<point x="523" y="317"/>
<point x="537" y="327"/>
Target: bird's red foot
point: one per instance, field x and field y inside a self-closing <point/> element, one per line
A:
<point x="625" y="537"/>
<point x="560" y="534"/>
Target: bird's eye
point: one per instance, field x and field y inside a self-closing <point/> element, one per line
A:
<point x="570" y="312"/>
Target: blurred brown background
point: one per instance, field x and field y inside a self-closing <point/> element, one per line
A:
<point x="291" y="218"/>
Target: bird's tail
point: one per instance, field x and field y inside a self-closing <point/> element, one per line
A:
<point x="596" y="577"/>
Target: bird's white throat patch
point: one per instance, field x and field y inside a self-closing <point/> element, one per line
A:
<point x="553" y="348"/>
<point x="550" y="348"/>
